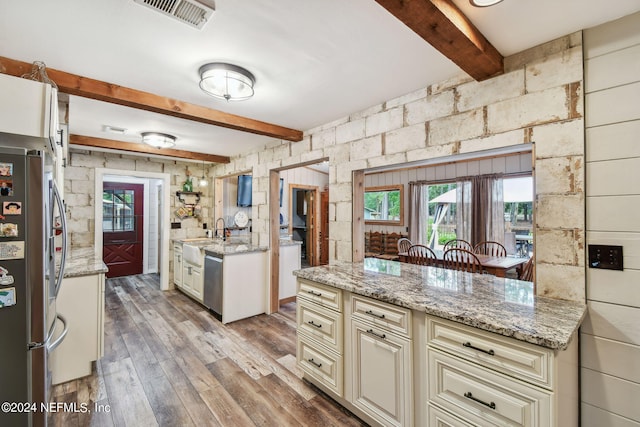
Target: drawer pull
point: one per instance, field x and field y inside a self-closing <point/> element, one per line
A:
<point x="312" y="323"/>
<point x="314" y="293"/>
<point x="381" y="336"/>
<point x="313" y="362"/>
<point x="491" y="405"/>
<point x="380" y="316"/>
<point x="468" y="345"/>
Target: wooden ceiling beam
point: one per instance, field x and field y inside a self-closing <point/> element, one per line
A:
<point x="73" y="84"/>
<point x="89" y="141"/>
<point x="447" y="29"/>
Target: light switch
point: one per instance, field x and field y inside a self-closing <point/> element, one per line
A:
<point x="606" y="257"/>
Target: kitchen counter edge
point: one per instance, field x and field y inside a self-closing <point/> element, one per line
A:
<point x="479" y="300"/>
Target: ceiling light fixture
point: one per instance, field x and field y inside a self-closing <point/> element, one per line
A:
<point x="484" y="3"/>
<point x="226" y="81"/>
<point x="158" y="140"/>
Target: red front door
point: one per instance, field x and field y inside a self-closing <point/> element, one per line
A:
<point x="122" y="223"/>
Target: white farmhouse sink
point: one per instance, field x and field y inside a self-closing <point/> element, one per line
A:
<point x="192" y="255"/>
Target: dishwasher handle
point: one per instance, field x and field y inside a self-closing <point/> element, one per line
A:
<point x="212" y="258"/>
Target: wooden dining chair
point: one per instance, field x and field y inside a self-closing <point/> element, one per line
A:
<point x="490" y="248"/>
<point x="422" y="255"/>
<point x="390" y="247"/>
<point x="375" y="246"/>
<point x="462" y="259"/>
<point x="458" y="243"/>
<point x="404" y="244"/>
<point x="527" y="271"/>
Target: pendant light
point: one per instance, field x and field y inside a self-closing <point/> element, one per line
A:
<point x="203" y="181"/>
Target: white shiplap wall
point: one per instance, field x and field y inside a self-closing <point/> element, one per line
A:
<point x="610" y="335"/>
<point x="507" y="164"/>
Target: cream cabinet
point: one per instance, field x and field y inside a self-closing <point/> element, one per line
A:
<point x="81" y="301"/>
<point x="381" y="361"/>
<point x="485" y="379"/>
<point x="30" y="108"/>
<point x="177" y="265"/>
<point x="187" y="276"/>
<point x="192" y="280"/>
<point x="320" y="331"/>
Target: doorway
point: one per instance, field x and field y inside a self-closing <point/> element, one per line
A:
<point x="308" y="214"/>
<point x="156" y="229"/>
<point x="122" y="228"/>
<point x="303" y="224"/>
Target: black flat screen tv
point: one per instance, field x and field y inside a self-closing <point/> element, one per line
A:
<point x="244" y="190"/>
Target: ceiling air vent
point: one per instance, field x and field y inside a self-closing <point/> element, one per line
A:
<point x="193" y="12"/>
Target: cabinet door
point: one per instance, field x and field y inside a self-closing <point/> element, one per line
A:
<point x="177" y="265"/>
<point x="381" y="369"/>
<point x="198" y="283"/>
<point x="187" y="277"/>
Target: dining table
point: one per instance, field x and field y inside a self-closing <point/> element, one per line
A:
<point x="496" y="265"/>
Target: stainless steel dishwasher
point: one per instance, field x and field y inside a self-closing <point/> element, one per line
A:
<point x="212" y="292"/>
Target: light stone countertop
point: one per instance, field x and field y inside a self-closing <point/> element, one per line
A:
<point x="83" y="262"/>
<point x="232" y="246"/>
<point x="503" y="306"/>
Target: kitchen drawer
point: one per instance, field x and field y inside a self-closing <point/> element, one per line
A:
<point x="440" y="418"/>
<point x="320" y="294"/>
<point x="320" y="323"/>
<point x="393" y="318"/>
<point x="320" y="363"/>
<point x="512" y="357"/>
<point x="483" y="397"/>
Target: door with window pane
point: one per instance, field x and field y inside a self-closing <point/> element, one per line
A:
<point x="122" y="228"/>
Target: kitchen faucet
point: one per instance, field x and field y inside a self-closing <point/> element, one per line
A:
<point x="224" y="229"/>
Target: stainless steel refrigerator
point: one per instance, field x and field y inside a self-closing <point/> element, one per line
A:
<point x="32" y="224"/>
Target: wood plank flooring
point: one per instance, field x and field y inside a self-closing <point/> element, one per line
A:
<point x="168" y="362"/>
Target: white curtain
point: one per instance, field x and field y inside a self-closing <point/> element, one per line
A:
<point x="418" y="213"/>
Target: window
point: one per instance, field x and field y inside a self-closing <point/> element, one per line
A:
<point x="384" y="205"/>
<point x="442" y="214"/>
<point x="117" y="210"/>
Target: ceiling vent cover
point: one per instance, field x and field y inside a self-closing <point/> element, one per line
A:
<point x="192" y="12"/>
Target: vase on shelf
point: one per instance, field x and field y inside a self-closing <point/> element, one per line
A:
<point x="187" y="185"/>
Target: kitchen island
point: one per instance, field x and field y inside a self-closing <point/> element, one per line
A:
<point x="236" y="288"/>
<point x="400" y="344"/>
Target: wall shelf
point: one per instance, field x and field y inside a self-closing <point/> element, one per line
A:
<point x="180" y="195"/>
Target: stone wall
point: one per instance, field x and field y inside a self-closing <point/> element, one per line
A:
<point x="80" y="191"/>
<point x="539" y="99"/>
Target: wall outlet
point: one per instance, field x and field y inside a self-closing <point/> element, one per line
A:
<point x="605" y="257"/>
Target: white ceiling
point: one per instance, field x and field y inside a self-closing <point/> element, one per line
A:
<point x="314" y="60"/>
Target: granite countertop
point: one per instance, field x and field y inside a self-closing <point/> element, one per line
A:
<point x="219" y="247"/>
<point x="83" y="262"/>
<point x="290" y="242"/>
<point x="503" y="306"/>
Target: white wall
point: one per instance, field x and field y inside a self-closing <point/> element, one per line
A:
<point x="610" y="336"/>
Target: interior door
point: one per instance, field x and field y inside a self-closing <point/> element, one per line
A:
<point x="122" y="228"/>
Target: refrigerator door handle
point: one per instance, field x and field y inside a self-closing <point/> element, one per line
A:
<point x="53" y="345"/>
<point x="63" y="223"/>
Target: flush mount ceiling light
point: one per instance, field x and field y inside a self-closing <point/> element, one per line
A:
<point x="484" y="3"/>
<point x="226" y="81"/>
<point x="158" y="140"/>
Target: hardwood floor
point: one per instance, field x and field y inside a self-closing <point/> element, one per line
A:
<point x="168" y="362"/>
